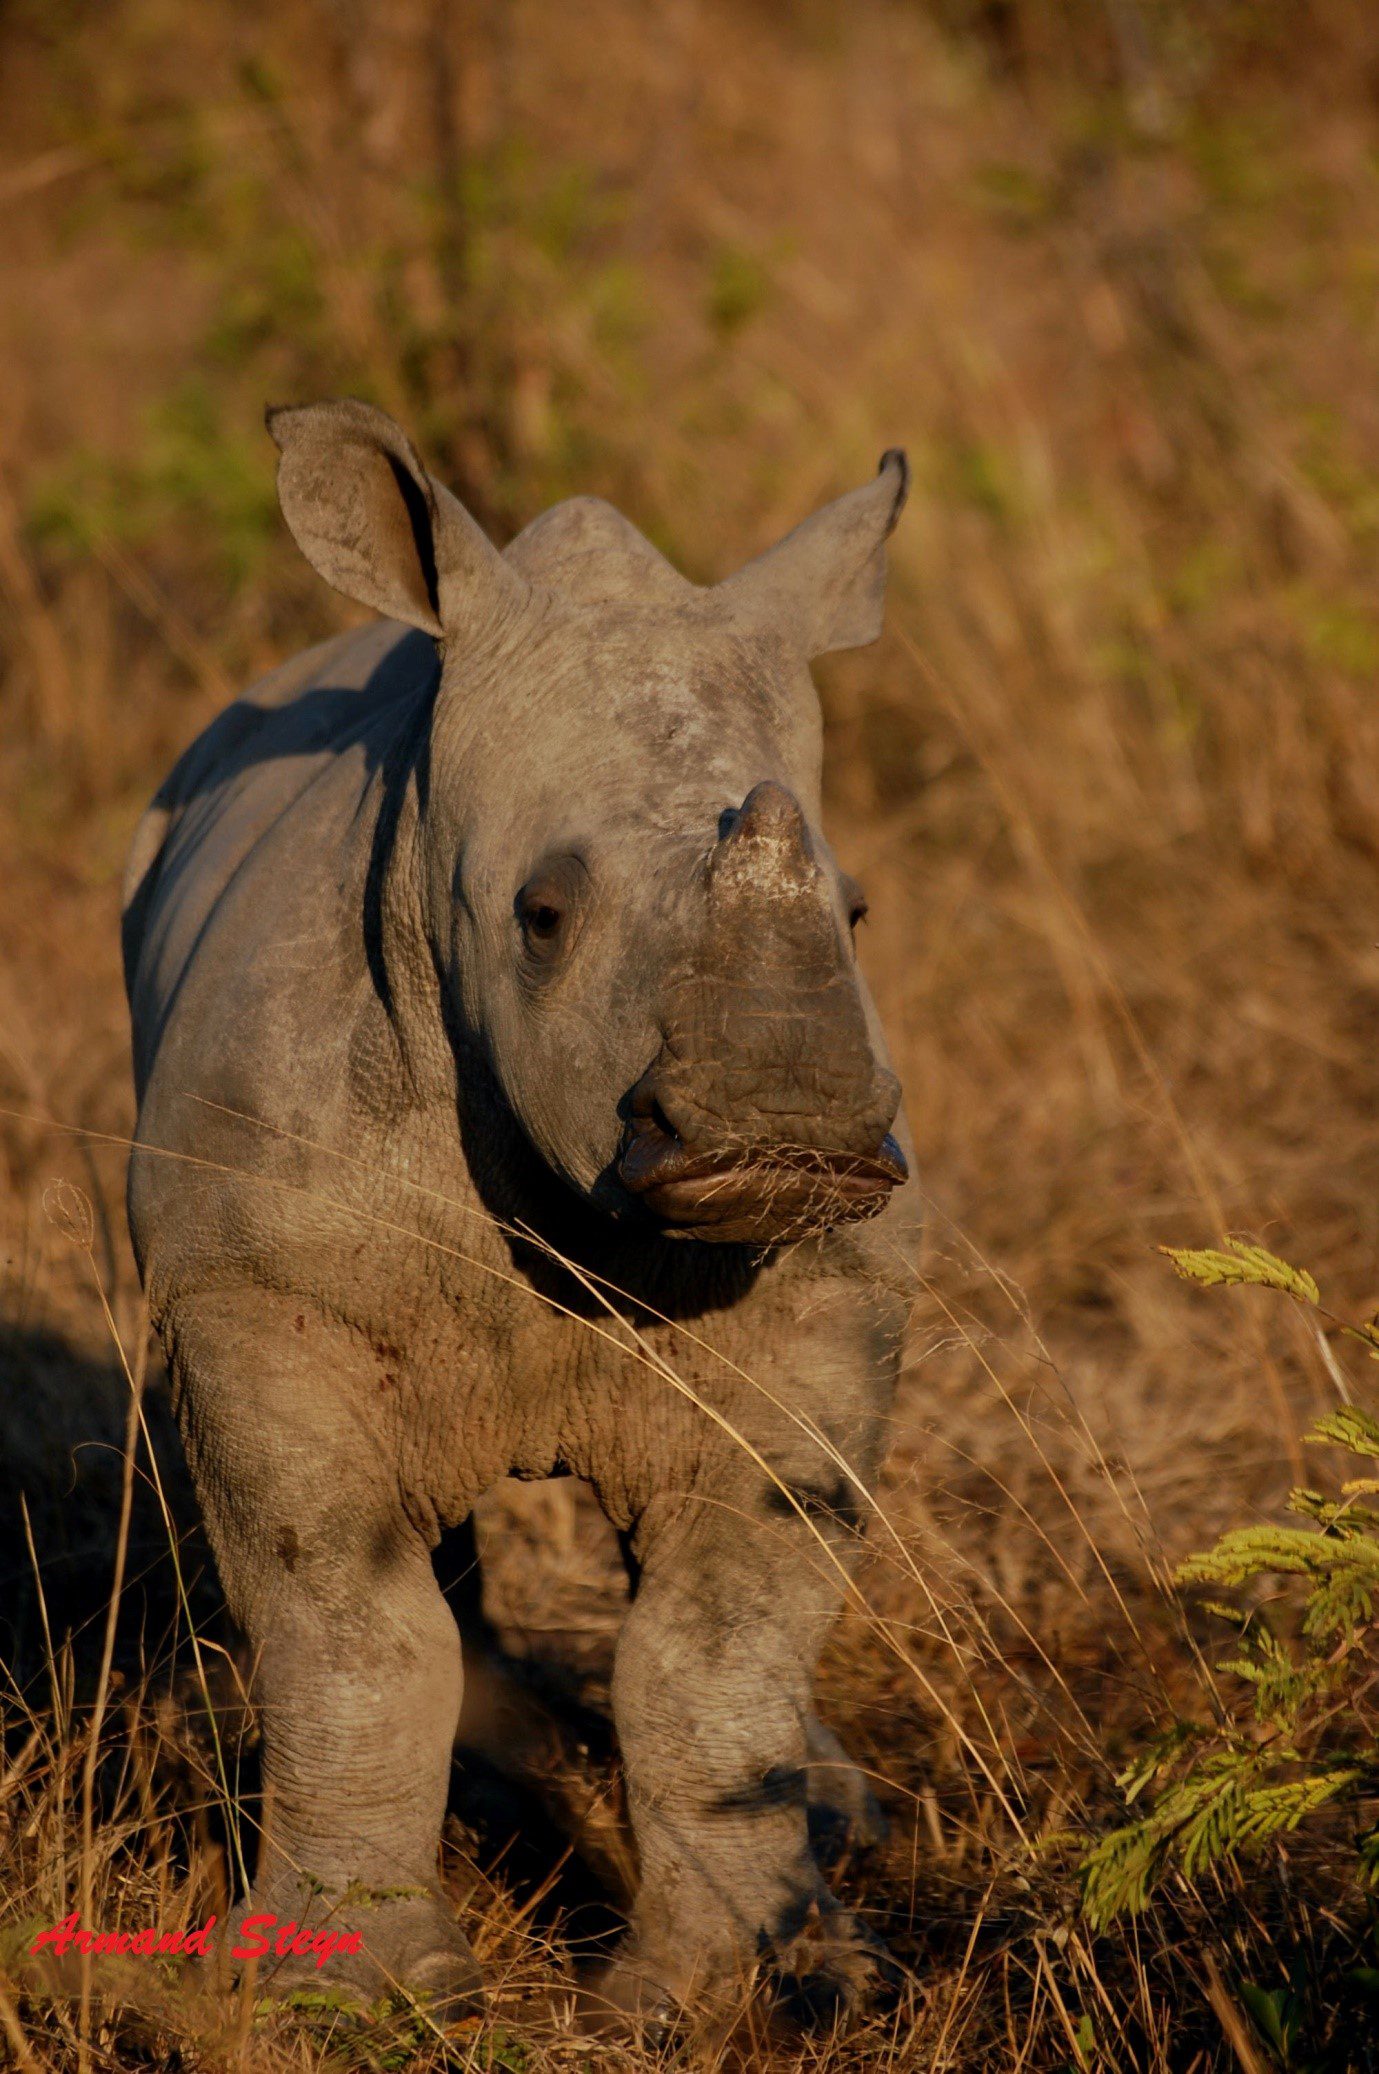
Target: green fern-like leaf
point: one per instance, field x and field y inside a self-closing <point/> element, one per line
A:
<point x="1311" y="1670"/>
<point x="1350" y="1428"/>
<point x="1344" y="1600"/>
<point x="1241" y="1263"/>
<point x="1268" y="1810"/>
<point x="1247" y="1552"/>
<point x="1157" y="1756"/>
<point x="1117" y="1876"/>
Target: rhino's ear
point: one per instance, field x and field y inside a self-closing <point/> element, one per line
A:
<point x="825" y="583"/>
<point x="370" y="520"/>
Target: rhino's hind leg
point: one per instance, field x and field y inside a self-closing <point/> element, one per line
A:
<point x="356" y="1658"/>
<point x="712" y="1701"/>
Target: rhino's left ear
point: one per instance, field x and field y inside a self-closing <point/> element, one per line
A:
<point x="369" y="518"/>
<point x="825" y="582"/>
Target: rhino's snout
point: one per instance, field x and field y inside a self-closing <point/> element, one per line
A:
<point x="767" y="1117"/>
<point x="719" y="1186"/>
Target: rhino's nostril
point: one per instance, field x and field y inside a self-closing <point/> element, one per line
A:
<point x="663" y="1123"/>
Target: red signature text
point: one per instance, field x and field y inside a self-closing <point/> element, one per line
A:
<point x="67" y="1936"/>
<point x="260" y="1937"/>
<point x="256" y="1943"/>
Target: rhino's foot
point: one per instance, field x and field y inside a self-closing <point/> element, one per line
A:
<point x="826" y="1970"/>
<point x="630" y="1997"/>
<point x="448" y="1981"/>
<point x="829" y="1969"/>
<point x="844" y="1813"/>
<point x="360" y="1943"/>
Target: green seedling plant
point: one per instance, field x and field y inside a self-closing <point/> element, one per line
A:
<point x="1296" y="1738"/>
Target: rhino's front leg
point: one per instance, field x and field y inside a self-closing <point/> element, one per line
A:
<point x="844" y="1812"/>
<point x="712" y="1701"/>
<point x="357" y="1673"/>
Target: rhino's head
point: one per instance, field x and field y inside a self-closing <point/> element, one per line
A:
<point x="624" y="880"/>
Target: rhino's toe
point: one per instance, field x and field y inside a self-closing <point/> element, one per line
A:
<point x="449" y="1983"/>
<point x="829" y="1970"/>
<point x="630" y="1998"/>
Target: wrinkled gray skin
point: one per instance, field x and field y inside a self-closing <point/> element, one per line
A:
<point x="493" y="985"/>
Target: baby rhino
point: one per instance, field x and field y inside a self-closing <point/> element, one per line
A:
<point x="511" y="1103"/>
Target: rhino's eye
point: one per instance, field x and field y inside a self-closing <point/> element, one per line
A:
<point x="542" y="920"/>
<point x="546" y="908"/>
<point x="855" y="901"/>
<point x="542" y="915"/>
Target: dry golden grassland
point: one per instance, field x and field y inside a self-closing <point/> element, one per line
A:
<point x="1110" y="270"/>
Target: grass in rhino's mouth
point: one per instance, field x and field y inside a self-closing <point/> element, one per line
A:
<point x="757" y="1194"/>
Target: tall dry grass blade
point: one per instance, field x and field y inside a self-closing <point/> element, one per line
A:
<point x="54" y="705"/>
<point x="1234" y="2027"/>
<point x="19" y="2045"/>
<point x="93" y="1733"/>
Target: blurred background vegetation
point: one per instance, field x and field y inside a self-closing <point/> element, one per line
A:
<point x="1110" y="270"/>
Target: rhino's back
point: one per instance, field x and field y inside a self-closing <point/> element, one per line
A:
<point x="265" y="810"/>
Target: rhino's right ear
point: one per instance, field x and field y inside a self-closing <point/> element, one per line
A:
<point x="370" y="520"/>
<point x="825" y="583"/>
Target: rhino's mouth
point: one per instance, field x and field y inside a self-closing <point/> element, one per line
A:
<point x="761" y="1197"/>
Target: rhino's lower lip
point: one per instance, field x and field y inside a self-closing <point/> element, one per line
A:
<point x="764" y="1198"/>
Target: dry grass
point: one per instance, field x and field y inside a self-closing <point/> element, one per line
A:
<point x="1108" y="271"/>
